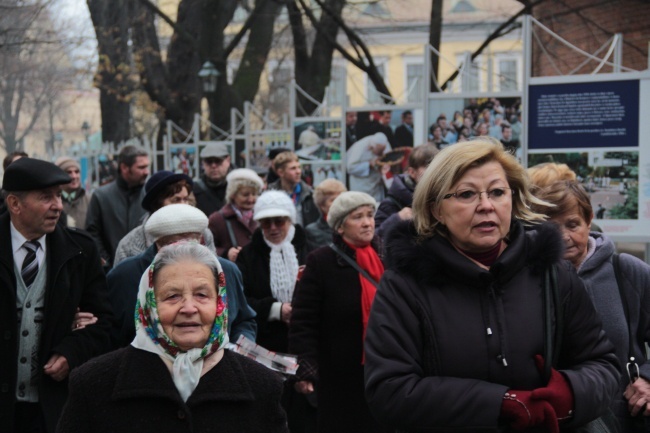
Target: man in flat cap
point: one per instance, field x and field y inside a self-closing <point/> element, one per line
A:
<point x="115" y="209"/>
<point x="210" y="189"/>
<point x="169" y="224"/>
<point x="47" y="274"/>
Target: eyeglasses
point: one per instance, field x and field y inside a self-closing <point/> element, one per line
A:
<point x="213" y="160"/>
<point x="277" y="221"/>
<point x="469" y="196"/>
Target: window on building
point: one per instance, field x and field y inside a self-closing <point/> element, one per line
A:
<point x="373" y="95"/>
<point x="508" y="75"/>
<point x="414" y="83"/>
<point x="336" y="91"/>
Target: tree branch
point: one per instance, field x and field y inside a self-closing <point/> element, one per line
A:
<point x="178" y="29"/>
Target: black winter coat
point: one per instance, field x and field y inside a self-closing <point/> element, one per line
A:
<point x="254" y="263"/>
<point x="400" y="195"/>
<point x="131" y="390"/>
<point x="447" y="338"/>
<point x="74" y="280"/>
<point x="326" y="333"/>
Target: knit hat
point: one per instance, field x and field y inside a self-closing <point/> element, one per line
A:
<point x="274" y="204"/>
<point x="242" y="177"/>
<point x="65" y="162"/>
<point x="157" y="183"/>
<point x="215" y="150"/>
<point x="175" y="219"/>
<point x="345" y="203"/>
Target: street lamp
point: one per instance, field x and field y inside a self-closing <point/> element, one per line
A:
<point x="85" y="129"/>
<point x="209" y="76"/>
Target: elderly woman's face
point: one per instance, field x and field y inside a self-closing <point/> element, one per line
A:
<point x="186" y="296"/>
<point x="358" y="227"/>
<point x="245" y="198"/>
<point x="480" y="224"/>
<point x="275" y="229"/>
<point x="575" y="233"/>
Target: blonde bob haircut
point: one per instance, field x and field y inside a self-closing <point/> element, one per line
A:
<point x="451" y="164"/>
<point x="547" y="173"/>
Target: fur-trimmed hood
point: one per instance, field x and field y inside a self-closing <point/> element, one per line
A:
<point x="435" y="258"/>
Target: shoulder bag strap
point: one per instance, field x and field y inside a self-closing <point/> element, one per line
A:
<point x="616" y="261"/>
<point x="231" y="232"/>
<point x="354" y="264"/>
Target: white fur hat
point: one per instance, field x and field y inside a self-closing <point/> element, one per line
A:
<point x="274" y="204"/>
<point x="242" y="177"/>
<point x="175" y="219"/>
<point x="345" y="203"/>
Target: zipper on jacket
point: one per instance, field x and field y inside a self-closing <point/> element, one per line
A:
<point x="501" y="357"/>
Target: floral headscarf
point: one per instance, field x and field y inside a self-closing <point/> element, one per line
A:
<point x="150" y="336"/>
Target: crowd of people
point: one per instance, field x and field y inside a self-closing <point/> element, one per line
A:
<point x="467" y="294"/>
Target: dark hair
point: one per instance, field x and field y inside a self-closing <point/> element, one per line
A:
<point x="406" y="113"/>
<point x="442" y="116"/>
<point x="169" y="191"/>
<point x="503" y="127"/>
<point x="421" y="156"/>
<point x="10" y="158"/>
<point x="129" y="154"/>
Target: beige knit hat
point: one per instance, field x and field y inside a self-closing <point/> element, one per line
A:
<point x="345" y="203"/>
<point x="242" y="177"/>
<point x="65" y="162"/>
<point x="175" y="219"/>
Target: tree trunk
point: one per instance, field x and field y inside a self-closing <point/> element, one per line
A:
<point x="111" y="23"/>
<point x="435" y="30"/>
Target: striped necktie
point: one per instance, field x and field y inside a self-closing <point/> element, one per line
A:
<point x="30" y="264"/>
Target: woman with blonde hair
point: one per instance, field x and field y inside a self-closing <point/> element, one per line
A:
<point x="477" y="324"/>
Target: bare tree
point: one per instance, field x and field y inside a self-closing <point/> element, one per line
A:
<point x="32" y="58"/>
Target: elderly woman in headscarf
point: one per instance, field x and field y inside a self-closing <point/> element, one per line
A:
<point x="233" y="225"/>
<point x="176" y="374"/>
<point x="331" y="306"/>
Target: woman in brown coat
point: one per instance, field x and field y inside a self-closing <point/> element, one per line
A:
<point x="233" y="225"/>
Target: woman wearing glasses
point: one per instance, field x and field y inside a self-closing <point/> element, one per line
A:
<point x="623" y="301"/>
<point x="460" y="336"/>
<point x="270" y="264"/>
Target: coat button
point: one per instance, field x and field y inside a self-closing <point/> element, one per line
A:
<point x="23" y="360"/>
<point x="181" y="414"/>
<point x="25" y="333"/>
<point x="28" y="304"/>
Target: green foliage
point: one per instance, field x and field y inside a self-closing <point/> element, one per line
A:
<point x="628" y="210"/>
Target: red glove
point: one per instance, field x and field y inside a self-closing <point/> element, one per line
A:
<point x="522" y="412"/>
<point x="557" y="392"/>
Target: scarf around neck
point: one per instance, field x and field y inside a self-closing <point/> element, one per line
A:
<point x="369" y="261"/>
<point x="150" y="335"/>
<point x="284" y="267"/>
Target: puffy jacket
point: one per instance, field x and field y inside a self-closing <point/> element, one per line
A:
<point x="447" y="338"/>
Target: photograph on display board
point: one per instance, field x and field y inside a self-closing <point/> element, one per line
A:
<point x="260" y="145"/>
<point x="384" y="134"/>
<point x="183" y="159"/>
<point x="455" y="120"/>
<point x="317" y="140"/>
<point x="610" y="178"/>
<point x="315" y="172"/>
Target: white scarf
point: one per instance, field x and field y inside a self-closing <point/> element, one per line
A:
<point x="150" y="336"/>
<point x="284" y="267"/>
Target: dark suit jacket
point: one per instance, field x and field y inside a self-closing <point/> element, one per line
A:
<point x="75" y="280"/>
<point x="131" y="390"/>
<point x="403" y="137"/>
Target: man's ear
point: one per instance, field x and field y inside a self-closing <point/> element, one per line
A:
<point x="13" y="203"/>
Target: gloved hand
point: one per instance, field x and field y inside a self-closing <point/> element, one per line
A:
<point x="557" y="392"/>
<point x="523" y="412"/>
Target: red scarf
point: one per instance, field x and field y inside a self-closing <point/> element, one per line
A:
<point x="369" y="261"/>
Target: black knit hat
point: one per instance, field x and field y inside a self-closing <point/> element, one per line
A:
<point x="29" y="174"/>
<point x="157" y="183"/>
